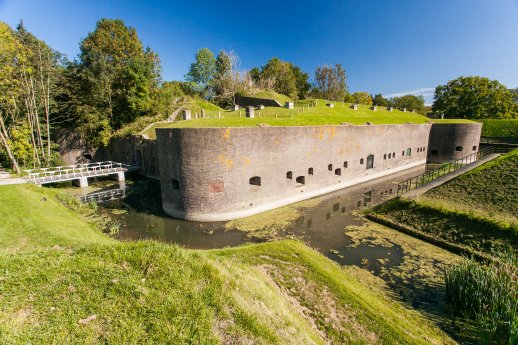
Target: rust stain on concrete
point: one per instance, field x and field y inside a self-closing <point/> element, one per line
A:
<point x="216" y="186"/>
<point x="228" y="162"/>
<point x="226" y="135"/>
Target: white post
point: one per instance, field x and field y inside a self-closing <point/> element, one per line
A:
<point x="83" y="182"/>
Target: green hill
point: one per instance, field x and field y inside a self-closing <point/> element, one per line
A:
<point x="282" y="99"/>
<point x="59" y="287"/>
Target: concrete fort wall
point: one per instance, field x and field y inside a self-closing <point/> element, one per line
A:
<point x="450" y="141"/>
<point x="217" y="174"/>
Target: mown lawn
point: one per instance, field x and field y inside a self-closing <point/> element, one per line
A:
<point x="312" y="116"/>
<point x="65" y="282"/>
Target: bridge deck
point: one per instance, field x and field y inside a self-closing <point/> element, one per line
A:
<point x="73" y="172"/>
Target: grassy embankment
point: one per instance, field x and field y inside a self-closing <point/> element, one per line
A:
<point x="312" y="116"/>
<point x="478" y="210"/>
<point x="493" y="128"/>
<point x="63" y="281"/>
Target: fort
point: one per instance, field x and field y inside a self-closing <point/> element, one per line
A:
<point x="218" y="169"/>
<point x="218" y="174"/>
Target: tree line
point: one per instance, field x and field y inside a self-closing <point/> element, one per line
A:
<point x="116" y="80"/>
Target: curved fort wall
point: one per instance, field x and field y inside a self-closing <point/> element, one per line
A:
<point x="450" y="141"/>
<point x="217" y="174"/>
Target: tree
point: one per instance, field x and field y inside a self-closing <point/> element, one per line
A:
<point x="203" y="71"/>
<point x="381" y="101"/>
<point x="229" y="80"/>
<point x="301" y="81"/>
<point x="362" y="98"/>
<point x="514" y="93"/>
<point x="278" y="76"/>
<point x="474" y="98"/>
<point x="29" y="69"/>
<point x="223" y="64"/>
<point x="331" y="82"/>
<point x="114" y="81"/>
<point x="410" y="102"/>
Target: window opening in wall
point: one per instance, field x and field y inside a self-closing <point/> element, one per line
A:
<point x="310" y="171"/>
<point x="336" y="207"/>
<point x="338" y="172"/>
<point x="289" y="175"/>
<point x="359" y="204"/>
<point x="175" y="184"/>
<point x="370" y="161"/>
<point x="330" y="167"/>
<point x="255" y="181"/>
<point x="361" y="161"/>
<point x="458" y="148"/>
<point x="328" y="215"/>
<point x="403" y="153"/>
<point x="393" y="155"/>
<point x="474" y="148"/>
<point x="345" y="164"/>
<point x="409" y="152"/>
<point x="435" y="153"/>
<point x="301" y="180"/>
<point x="385" y="156"/>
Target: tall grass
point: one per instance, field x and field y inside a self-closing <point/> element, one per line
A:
<point x="488" y="295"/>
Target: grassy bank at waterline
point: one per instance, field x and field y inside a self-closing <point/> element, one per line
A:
<point x="62" y="280"/>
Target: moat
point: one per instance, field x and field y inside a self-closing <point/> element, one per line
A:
<point x="331" y="224"/>
<point x="323" y="223"/>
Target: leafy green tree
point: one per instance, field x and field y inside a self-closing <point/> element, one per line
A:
<point x="514" y="93"/>
<point x="379" y="100"/>
<point x="202" y="72"/>
<point x="278" y="75"/>
<point x="331" y="82"/>
<point x="113" y="82"/>
<point x="410" y="102"/>
<point x="362" y="98"/>
<point x="223" y="64"/>
<point x="474" y="98"/>
<point x="301" y="81"/>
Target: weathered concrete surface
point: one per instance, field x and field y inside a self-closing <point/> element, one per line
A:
<point x="451" y="141"/>
<point x="448" y="177"/>
<point x="207" y="174"/>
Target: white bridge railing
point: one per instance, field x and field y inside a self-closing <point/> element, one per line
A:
<point x="105" y="195"/>
<point x="72" y="172"/>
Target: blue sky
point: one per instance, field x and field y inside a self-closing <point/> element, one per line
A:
<point x="391" y="47"/>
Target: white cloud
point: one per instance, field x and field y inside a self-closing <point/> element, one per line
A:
<point x="425" y="92"/>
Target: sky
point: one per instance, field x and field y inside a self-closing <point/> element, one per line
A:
<point x="393" y="47"/>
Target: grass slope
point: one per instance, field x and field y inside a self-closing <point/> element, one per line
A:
<point x="477" y="209"/>
<point x="491" y="190"/>
<point x="282" y="99"/>
<point x="31" y="217"/>
<point x="66" y="290"/>
<point x="500" y="128"/>
<point x="314" y="116"/>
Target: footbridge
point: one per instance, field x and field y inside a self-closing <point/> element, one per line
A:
<point x="78" y="172"/>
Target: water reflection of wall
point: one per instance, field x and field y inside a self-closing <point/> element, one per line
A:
<point x="323" y="225"/>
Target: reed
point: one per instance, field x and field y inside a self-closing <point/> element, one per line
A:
<point x="488" y="295"/>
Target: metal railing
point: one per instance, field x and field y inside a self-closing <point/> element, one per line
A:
<point x="102" y="196"/>
<point x="71" y="172"/>
<point x="417" y="181"/>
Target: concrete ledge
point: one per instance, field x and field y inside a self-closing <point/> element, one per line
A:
<point x="172" y="211"/>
